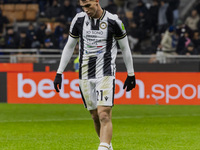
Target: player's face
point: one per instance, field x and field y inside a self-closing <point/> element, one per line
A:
<point x="90" y="7"/>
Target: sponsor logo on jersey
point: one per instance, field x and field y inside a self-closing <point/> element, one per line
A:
<point x="94" y="32"/>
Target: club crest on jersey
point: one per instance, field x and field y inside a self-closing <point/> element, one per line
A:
<point x="103" y="25"/>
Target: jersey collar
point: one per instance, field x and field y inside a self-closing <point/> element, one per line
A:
<point x="103" y="14"/>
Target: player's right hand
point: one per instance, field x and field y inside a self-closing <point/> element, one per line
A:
<point x="57" y="82"/>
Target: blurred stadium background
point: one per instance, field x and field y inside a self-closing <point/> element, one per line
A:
<point x="164" y="36"/>
<point x="40" y="28"/>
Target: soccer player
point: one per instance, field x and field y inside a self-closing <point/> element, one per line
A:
<point x="98" y="32"/>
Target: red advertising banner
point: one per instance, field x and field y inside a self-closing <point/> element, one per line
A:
<point x="152" y="88"/>
<point x="12" y="67"/>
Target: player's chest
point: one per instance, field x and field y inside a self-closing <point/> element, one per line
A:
<point x="95" y="29"/>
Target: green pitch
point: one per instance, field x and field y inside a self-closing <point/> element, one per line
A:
<point x="69" y="127"/>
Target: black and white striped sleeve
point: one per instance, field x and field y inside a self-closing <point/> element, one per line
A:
<point x="120" y="31"/>
<point x="73" y="32"/>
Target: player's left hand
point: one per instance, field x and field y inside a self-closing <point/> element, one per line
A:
<point x="57" y="82"/>
<point x="130" y="83"/>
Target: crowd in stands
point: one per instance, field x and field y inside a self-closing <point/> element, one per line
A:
<point x="151" y="27"/>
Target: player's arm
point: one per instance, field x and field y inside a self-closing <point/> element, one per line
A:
<point x="120" y="36"/>
<point x="127" y="56"/>
<point x="66" y="56"/>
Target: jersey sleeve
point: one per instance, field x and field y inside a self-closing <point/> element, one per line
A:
<point x="73" y="31"/>
<point x="120" y="31"/>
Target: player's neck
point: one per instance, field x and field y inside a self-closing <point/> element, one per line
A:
<point x="98" y="13"/>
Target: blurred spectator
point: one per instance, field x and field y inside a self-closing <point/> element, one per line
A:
<point x="53" y="11"/>
<point x="189" y="50"/>
<point x="48" y="44"/>
<point x="63" y="40"/>
<point x="196" y="40"/>
<point x="167" y="46"/>
<point x="134" y="35"/>
<point x="193" y="20"/>
<point x="174" y="4"/>
<point x="183" y="42"/>
<point x="60" y="29"/>
<point x="129" y="5"/>
<point x="3" y="22"/>
<point x="140" y="8"/>
<point x="155" y="44"/>
<point x="11" y="38"/>
<point x="197" y="7"/>
<point x="181" y="28"/>
<point x="31" y="31"/>
<point x="139" y="26"/>
<point x="24" y="41"/>
<point x="169" y="40"/>
<point x="31" y="34"/>
<point x="42" y="7"/>
<point x="61" y="34"/>
<point x="35" y="43"/>
<point x="40" y="33"/>
<point x="153" y="16"/>
<point x="165" y="16"/>
<point x="2" y="42"/>
<point x="111" y="7"/>
<point x="68" y="11"/>
<point x="49" y="40"/>
<point x="78" y="7"/>
<point x="142" y="25"/>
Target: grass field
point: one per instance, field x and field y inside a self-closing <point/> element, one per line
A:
<point x="69" y="127"/>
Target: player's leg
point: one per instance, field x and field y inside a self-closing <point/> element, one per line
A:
<point x="97" y="125"/>
<point x="105" y="115"/>
<point x="105" y="95"/>
<point x="95" y="118"/>
<point x="89" y="95"/>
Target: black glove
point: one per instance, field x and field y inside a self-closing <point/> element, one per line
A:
<point x="129" y="84"/>
<point x="57" y="81"/>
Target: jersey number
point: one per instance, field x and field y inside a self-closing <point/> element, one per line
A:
<point x="101" y="95"/>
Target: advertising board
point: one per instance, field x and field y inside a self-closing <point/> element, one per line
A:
<point x="151" y="88"/>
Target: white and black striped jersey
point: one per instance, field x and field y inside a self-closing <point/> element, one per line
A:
<point x="97" y="43"/>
